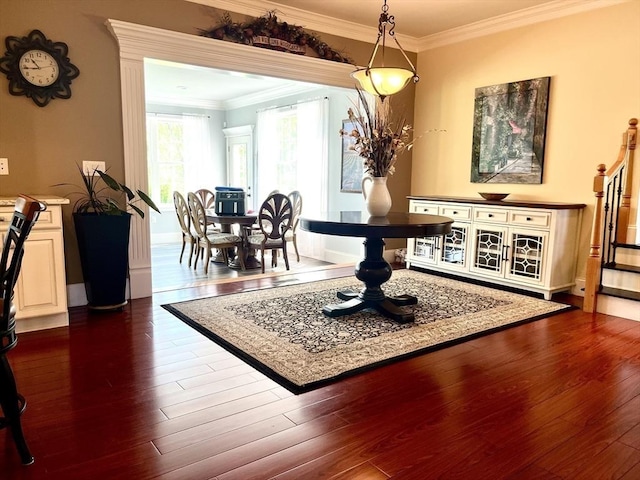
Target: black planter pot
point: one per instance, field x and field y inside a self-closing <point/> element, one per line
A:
<point x="103" y="243"/>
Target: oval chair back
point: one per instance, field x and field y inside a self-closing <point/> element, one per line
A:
<point x="207" y="241"/>
<point x="207" y="197"/>
<point x="274" y="220"/>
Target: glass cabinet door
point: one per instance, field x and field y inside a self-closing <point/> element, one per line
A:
<point x="426" y="248"/>
<point x="454" y="247"/>
<point x="527" y="255"/>
<point x="488" y="250"/>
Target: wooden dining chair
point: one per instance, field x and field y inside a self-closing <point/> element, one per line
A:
<point x="207" y="240"/>
<point x="208" y="199"/>
<point x="184" y="220"/>
<point x="290" y="236"/>
<point x="25" y="214"/>
<point x="274" y="220"/>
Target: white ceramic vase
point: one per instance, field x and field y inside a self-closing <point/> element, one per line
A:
<point x="376" y="196"/>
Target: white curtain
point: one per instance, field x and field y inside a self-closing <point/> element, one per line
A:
<point x="268" y="153"/>
<point x="309" y="148"/>
<point x="198" y="162"/>
<point x="313" y="154"/>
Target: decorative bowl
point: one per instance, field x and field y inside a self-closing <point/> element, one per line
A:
<point x="493" y="196"/>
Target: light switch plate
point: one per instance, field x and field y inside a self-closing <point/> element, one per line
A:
<point x="89" y="166"/>
<point x="4" y="166"/>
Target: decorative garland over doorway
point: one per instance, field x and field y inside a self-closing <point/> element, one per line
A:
<point x="267" y="32"/>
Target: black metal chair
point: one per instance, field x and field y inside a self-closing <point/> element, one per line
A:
<point x="25" y="214"/>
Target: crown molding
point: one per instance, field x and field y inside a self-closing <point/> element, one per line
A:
<point x="355" y="31"/>
<point x="139" y="41"/>
<point x="268" y="95"/>
<point x="243" y="101"/>
<point x="185" y="102"/>
<point x="521" y="18"/>
<point x="311" y="21"/>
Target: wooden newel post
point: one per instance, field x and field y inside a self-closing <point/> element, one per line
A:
<point x="625" y="204"/>
<point x="592" y="280"/>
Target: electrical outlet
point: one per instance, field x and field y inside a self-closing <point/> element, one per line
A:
<point x="89" y="167"/>
<point x="4" y="166"/>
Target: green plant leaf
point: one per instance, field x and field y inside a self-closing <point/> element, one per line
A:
<point x="127" y="190"/>
<point x="96" y="197"/>
<point x="109" y="181"/>
<point x="140" y="212"/>
<point x="146" y="199"/>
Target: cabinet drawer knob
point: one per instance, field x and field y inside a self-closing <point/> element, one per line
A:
<point x="2" y="219"/>
<point x="528" y="219"/>
<point x="490" y="215"/>
<point x="455" y="212"/>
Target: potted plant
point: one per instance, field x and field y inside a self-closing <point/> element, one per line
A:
<point x="102" y="225"/>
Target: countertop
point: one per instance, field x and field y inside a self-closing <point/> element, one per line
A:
<point x="48" y="199"/>
<point x="502" y="203"/>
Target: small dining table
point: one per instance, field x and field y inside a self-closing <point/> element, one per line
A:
<point x="245" y="222"/>
<point x="374" y="270"/>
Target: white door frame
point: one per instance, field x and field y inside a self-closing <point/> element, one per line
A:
<point x="242" y="135"/>
<point x="137" y="42"/>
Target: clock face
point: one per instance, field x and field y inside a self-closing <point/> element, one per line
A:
<point x="39" y="68"/>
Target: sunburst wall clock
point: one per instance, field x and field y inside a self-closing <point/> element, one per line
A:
<point x="38" y="68"/>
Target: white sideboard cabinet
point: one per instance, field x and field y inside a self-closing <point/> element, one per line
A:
<point x="40" y="295"/>
<point x="527" y="245"/>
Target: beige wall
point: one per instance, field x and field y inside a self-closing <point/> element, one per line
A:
<point x="45" y="144"/>
<point x="593" y="60"/>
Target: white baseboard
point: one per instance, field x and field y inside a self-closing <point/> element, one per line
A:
<point x="578" y="288"/>
<point x="76" y="295"/>
<point x="618" y="307"/>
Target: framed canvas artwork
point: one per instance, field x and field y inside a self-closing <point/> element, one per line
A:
<point x="509" y="128"/>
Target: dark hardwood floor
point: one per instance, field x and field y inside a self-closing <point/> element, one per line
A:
<point x="138" y="394"/>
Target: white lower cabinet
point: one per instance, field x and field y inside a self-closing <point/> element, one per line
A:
<point x="523" y="245"/>
<point x="40" y="296"/>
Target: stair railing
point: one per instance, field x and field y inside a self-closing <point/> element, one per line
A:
<point x="611" y="220"/>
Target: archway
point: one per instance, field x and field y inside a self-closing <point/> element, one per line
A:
<point x="137" y="42"/>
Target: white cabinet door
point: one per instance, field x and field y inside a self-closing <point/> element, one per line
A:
<point x="489" y="250"/>
<point x="41" y="288"/>
<point x="453" y="253"/>
<point x="527" y="254"/>
<point x="515" y="254"/>
<point x="448" y="252"/>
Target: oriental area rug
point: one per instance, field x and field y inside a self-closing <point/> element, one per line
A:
<point x="283" y="333"/>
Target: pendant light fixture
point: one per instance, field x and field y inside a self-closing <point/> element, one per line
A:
<point x="383" y="81"/>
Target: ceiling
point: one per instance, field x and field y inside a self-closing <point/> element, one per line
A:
<point x="420" y="24"/>
<point x="170" y="83"/>
<point x="414" y="18"/>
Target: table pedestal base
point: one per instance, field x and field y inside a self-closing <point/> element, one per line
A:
<point x="388" y="306"/>
<point x="373" y="271"/>
<point x="250" y="263"/>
